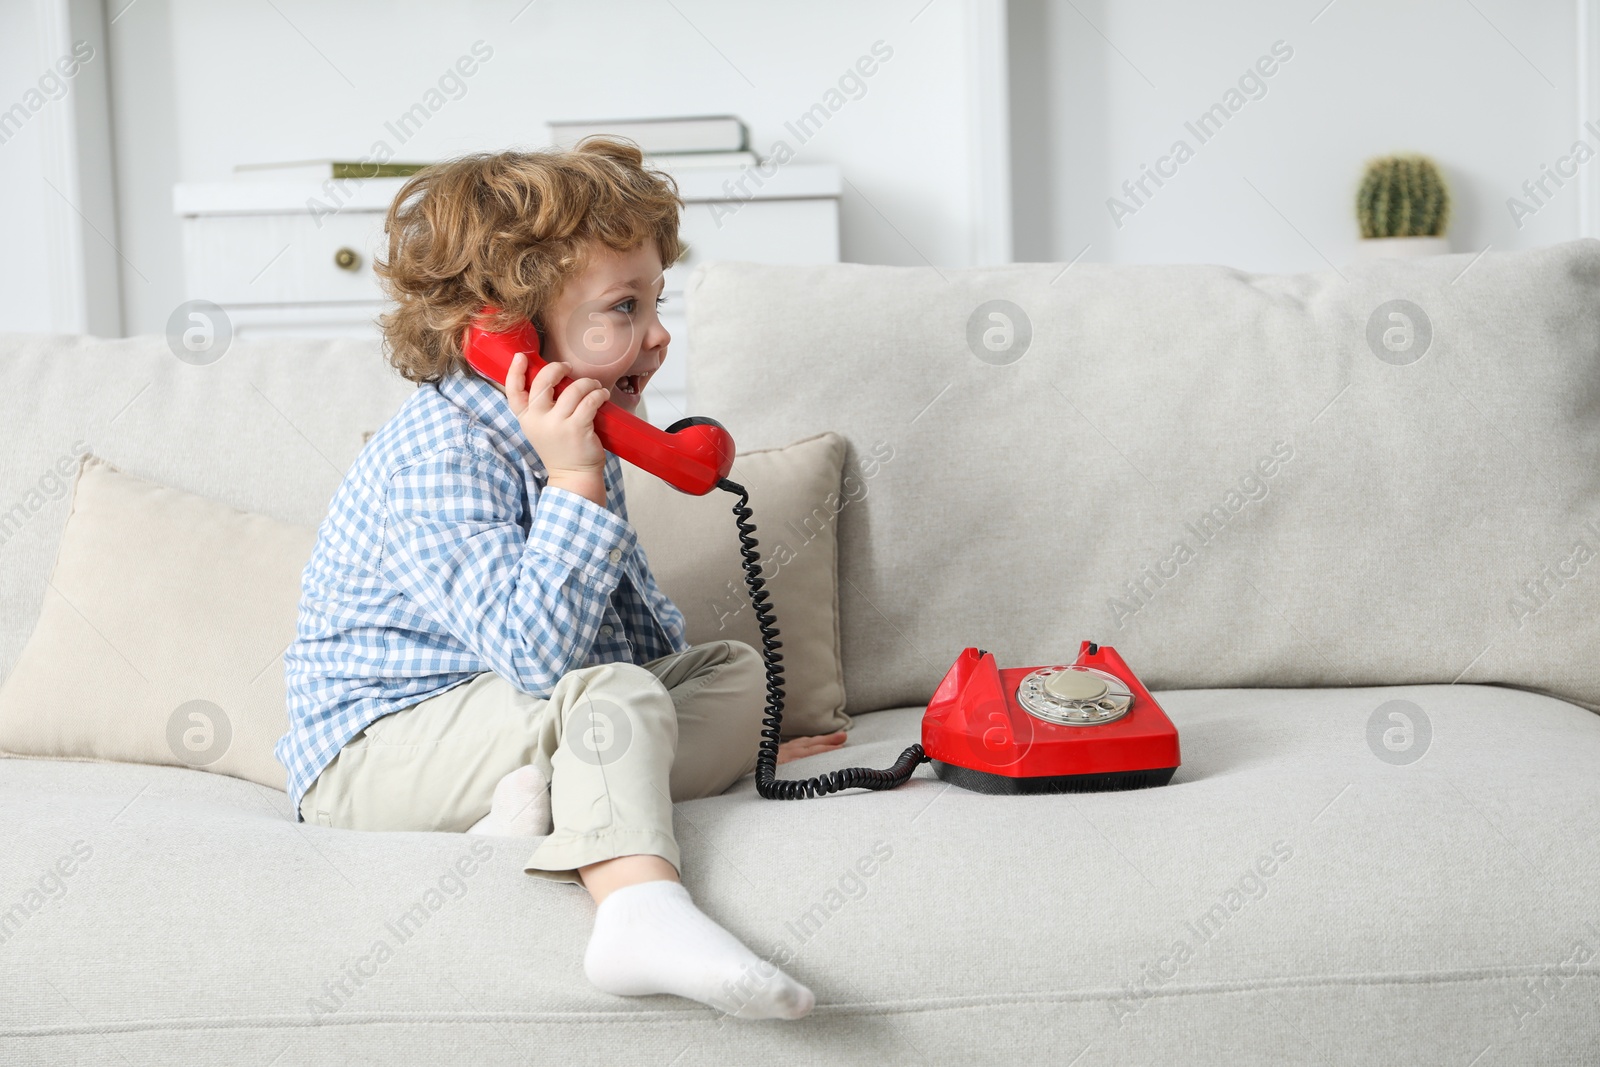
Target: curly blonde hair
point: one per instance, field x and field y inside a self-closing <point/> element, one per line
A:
<point x="509" y="229"/>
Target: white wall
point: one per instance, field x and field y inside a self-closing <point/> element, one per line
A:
<point x="1099" y="87"/>
<point x="200" y="85"/>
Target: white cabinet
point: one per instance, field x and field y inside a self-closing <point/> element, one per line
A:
<point x="281" y="265"/>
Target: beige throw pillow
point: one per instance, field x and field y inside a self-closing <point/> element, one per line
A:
<point x="163" y="628"/>
<point x="162" y="633"/>
<point x="692" y="544"/>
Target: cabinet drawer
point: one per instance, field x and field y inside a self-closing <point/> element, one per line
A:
<point x="281" y="259"/>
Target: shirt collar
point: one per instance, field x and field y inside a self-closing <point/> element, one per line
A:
<point x="481" y="400"/>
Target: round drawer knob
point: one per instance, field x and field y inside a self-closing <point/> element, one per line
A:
<point x="347" y="259"/>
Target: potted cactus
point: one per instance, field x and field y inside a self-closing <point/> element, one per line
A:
<point x="1403" y="207"/>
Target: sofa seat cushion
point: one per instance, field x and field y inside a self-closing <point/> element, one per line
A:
<point x="1326" y="897"/>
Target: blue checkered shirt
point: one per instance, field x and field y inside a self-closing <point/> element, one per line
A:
<point x="445" y="555"/>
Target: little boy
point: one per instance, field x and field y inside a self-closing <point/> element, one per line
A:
<point x="481" y="646"/>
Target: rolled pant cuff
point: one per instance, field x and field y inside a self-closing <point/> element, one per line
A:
<point x="560" y="855"/>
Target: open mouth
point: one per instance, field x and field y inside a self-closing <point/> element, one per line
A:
<point x="632" y="384"/>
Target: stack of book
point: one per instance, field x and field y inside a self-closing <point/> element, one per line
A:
<point x="693" y="141"/>
<point x="690" y="141"/>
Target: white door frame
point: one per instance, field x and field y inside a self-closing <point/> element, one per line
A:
<point x="1589" y="113"/>
<point x="989" y="132"/>
<point x="77" y="187"/>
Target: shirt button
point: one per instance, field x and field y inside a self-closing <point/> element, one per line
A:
<point x="616" y="555"/>
<point x="605" y="631"/>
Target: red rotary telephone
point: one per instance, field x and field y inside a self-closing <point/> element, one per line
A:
<point x="692" y="455"/>
<point x="1086" y="726"/>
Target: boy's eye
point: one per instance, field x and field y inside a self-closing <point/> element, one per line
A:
<point x="627" y="306"/>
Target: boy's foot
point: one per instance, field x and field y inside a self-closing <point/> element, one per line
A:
<point x="650" y="938"/>
<point x="521" y="806"/>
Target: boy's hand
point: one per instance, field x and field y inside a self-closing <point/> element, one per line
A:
<point x="801" y="747"/>
<point x="561" y="428"/>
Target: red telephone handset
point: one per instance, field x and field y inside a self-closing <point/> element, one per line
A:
<point x="691" y="455"/>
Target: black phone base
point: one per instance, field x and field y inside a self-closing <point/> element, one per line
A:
<point x="768" y="784"/>
<point x="1005" y="785"/>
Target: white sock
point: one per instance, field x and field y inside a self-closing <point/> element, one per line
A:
<point x="521" y="806"/>
<point x="650" y="938"/>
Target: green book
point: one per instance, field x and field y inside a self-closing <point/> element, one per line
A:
<point x="320" y="169"/>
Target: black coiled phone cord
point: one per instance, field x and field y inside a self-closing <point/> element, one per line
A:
<point x="767" y="783"/>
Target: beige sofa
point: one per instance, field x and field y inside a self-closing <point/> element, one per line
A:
<point x="1348" y="550"/>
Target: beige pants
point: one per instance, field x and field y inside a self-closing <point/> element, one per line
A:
<point x="619" y="743"/>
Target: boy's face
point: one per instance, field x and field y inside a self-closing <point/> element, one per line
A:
<point x="603" y="324"/>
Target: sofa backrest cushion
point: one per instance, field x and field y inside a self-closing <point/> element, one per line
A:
<point x="1382" y="475"/>
<point x="270" y="428"/>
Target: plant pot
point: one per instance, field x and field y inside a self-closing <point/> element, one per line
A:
<point x="1402" y="247"/>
